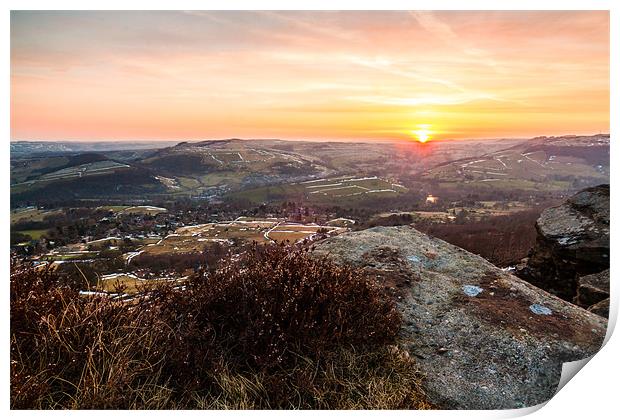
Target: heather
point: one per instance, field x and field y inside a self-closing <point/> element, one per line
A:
<point x="270" y="328"/>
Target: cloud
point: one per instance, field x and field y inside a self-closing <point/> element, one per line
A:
<point x="454" y="99"/>
<point x="443" y="31"/>
<point x="435" y="26"/>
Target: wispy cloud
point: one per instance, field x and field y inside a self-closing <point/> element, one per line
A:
<point x="197" y="74"/>
<point x="316" y="27"/>
<point x="408" y="101"/>
<point x="443" y="31"/>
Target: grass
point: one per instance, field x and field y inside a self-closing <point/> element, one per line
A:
<point x="223" y="177"/>
<point x="321" y="192"/>
<point x="68" y="257"/>
<point x="114" y="208"/>
<point x="188" y="183"/>
<point x="92" y="168"/>
<point x="287" y="236"/>
<point x="31" y="215"/>
<point x="273" y="328"/>
<point x="127" y="284"/>
<point x="149" y="210"/>
<point x="35" y="234"/>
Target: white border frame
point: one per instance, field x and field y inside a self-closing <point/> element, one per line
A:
<point x="592" y="394"/>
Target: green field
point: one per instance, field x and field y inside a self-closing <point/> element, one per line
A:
<point x="31" y="215"/>
<point x="329" y="190"/>
<point x="94" y="168"/>
<point x="35" y="234"/>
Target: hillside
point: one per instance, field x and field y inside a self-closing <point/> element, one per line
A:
<point x="548" y="163"/>
<point x="262" y="171"/>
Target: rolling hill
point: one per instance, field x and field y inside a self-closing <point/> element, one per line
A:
<point x="272" y="170"/>
<point x="547" y="163"/>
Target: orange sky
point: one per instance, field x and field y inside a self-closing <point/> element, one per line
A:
<point x="307" y="75"/>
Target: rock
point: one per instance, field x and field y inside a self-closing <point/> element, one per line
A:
<point x="573" y="240"/>
<point x="601" y="308"/>
<point x="592" y="289"/>
<point x="484" y="338"/>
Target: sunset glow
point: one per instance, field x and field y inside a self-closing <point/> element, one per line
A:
<point x="308" y="75"/>
<point x="423" y="134"/>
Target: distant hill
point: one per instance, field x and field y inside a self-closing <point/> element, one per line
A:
<point x="30" y="148"/>
<point x="548" y="163"/>
<point x="272" y="170"/>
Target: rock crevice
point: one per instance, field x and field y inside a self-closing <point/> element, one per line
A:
<point x="572" y="243"/>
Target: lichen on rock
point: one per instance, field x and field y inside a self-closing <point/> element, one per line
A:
<point x="484" y="350"/>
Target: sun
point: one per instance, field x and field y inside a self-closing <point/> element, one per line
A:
<point x="422" y="134"/>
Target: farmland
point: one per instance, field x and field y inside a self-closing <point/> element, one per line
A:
<point x="545" y="164"/>
<point x="351" y="186"/>
<point x="129" y="283"/>
<point x="345" y="174"/>
<point x="193" y="239"/>
<point x="31" y="214"/>
<point x="94" y="168"/>
<point x="35" y="234"/>
<point x="343" y="189"/>
<point x="149" y="210"/>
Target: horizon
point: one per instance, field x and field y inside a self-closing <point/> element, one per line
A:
<point x="301" y="140"/>
<point x="308" y="76"/>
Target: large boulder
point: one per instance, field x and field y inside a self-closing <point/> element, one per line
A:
<point x="573" y="241"/>
<point x="601" y="308"/>
<point x="484" y="338"/>
<point x="592" y="289"/>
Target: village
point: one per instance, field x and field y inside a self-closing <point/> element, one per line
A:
<point x="148" y="244"/>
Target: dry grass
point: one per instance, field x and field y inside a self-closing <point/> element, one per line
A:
<point x="274" y="329"/>
<point x="352" y="380"/>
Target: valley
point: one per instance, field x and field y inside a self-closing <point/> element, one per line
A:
<point x="137" y="217"/>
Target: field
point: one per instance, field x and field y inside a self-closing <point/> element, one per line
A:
<point x="150" y="210"/>
<point x="537" y="168"/>
<point x="24" y="169"/>
<point x="193" y="239"/>
<point x="296" y="232"/>
<point x="60" y="257"/>
<point x="94" y="168"/>
<point x="131" y="283"/>
<point x="120" y="209"/>
<point x="351" y="186"/>
<point x="35" y="234"/>
<point x="339" y="190"/>
<point x="31" y="215"/>
<point x="194" y="168"/>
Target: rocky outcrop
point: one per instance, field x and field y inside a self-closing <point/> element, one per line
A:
<point x="573" y="241"/>
<point x="484" y="338"/>
<point x="601" y="308"/>
<point x="592" y="289"/>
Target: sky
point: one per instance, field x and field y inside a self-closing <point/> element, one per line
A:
<point x="401" y="75"/>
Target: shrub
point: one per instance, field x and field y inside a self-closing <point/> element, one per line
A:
<point x="72" y="352"/>
<point x="273" y="328"/>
